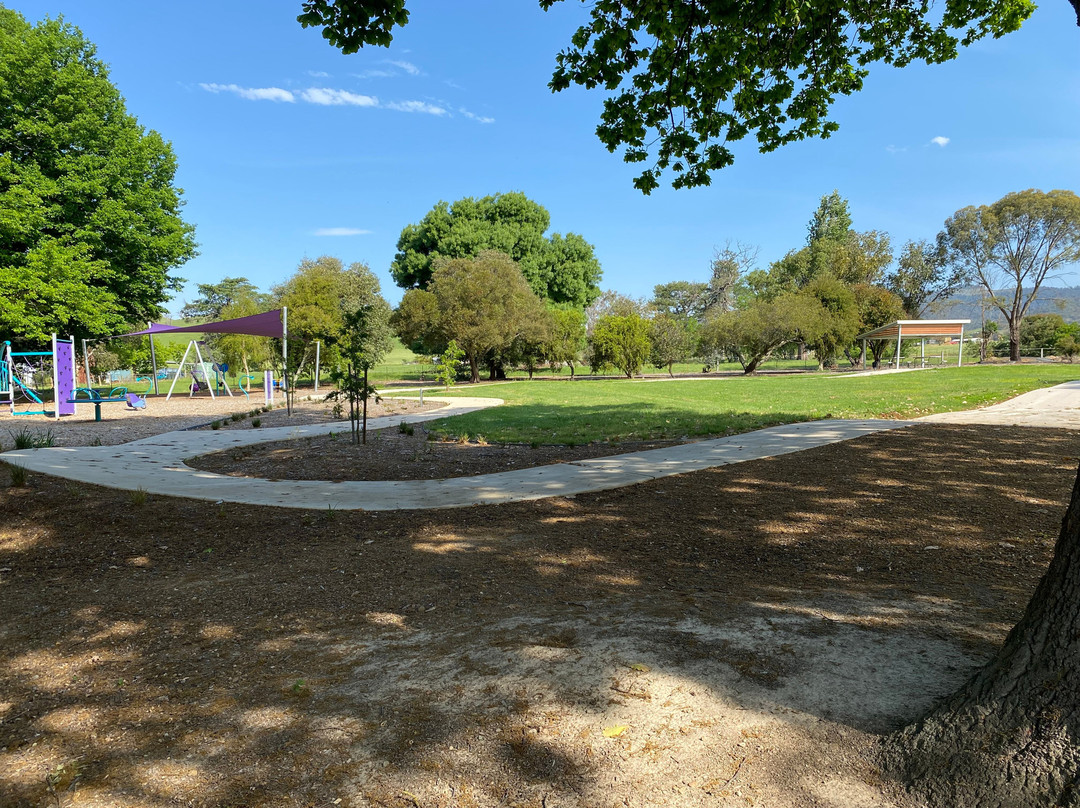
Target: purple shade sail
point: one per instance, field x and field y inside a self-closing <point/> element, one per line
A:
<point x="267" y="324"/>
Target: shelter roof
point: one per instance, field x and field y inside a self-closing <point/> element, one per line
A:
<point x="917" y="329"/>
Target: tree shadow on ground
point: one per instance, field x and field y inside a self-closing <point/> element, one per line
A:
<point x="180" y="651"/>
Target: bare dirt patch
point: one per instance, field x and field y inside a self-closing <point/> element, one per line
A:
<point x="731" y="637"/>
<point x="393" y="454"/>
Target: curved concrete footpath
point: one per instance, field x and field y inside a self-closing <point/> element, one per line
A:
<point x="156" y="465"/>
<point x="1057" y="407"/>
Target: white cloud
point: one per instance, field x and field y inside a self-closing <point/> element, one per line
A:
<point x="252" y="93"/>
<point x="415" y="106"/>
<point x="318" y="74"/>
<point x="408" y="67"/>
<point x="331" y="97"/>
<point x="940" y="141"/>
<point x="325" y="96"/>
<point x="472" y="116"/>
<point x="341" y="231"/>
<point x="375" y="74"/>
<point x="891" y="149"/>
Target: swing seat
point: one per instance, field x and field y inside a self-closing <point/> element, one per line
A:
<point x="135" y="401"/>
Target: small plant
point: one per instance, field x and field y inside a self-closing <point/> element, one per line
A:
<point x="463" y="437"/>
<point x="446" y="367"/>
<point x="256" y="422"/>
<point x="63" y="778"/>
<point x="300" y="688"/>
<point x="253" y="413"/>
<point x="268" y="407"/>
<point x="332" y="435"/>
<point x="237" y="416"/>
<point x="96" y="441"/>
<point x="25" y="438"/>
<point x="215" y="424"/>
<point x="534" y="444"/>
<point x="338" y="410"/>
<point x="18" y="475"/>
<point x="139" y="496"/>
<point x="481" y="440"/>
<point x="405" y="429"/>
<point x="331" y="514"/>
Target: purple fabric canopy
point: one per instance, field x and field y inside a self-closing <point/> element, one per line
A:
<point x="267" y="324"/>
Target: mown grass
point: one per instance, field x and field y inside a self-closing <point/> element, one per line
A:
<point x="591" y="410"/>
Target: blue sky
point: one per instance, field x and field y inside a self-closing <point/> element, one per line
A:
<point x="287" y="149"/>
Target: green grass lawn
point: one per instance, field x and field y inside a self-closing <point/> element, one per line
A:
<point x="588" y="410"/>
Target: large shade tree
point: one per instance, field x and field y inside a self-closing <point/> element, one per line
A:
<point x="561" y="269"/>
<point x="685" y="79"/>
<point x="484" y="304"/>
<point x="90" y="224"/>
<point x="1010" y="248"/>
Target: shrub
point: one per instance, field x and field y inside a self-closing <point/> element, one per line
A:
<point x="215" y="424"/>
<point x="405" y="429"/>
<point x="256" y="422"/>
<point x="18" y="475"/>
<point x="27" y="439"/>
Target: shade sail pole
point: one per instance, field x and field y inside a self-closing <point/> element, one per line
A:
<point x="153" y="358"/>
<point x="285" y="357"/>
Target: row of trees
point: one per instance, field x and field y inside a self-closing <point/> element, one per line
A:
<point x="843" y="282"/>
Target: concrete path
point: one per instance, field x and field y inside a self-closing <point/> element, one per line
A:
<point x="1057" y="407"/>
<point x="156" y="465"/>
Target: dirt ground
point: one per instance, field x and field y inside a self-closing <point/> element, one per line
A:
<point x="733" y="637"/>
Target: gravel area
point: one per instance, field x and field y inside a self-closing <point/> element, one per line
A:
<point x="121" y="425"/>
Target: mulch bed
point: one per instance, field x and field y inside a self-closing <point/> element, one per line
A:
<point x="393" y="454"/>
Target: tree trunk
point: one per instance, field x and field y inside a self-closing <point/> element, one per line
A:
<point x="1014" y="339"/>
<point x="1010" y="738"/>
<point x="474" y="369"/>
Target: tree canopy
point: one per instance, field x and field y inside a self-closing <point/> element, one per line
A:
<point x="684" y="80"/>
<point x="1013" y="246"/>
<point x="320" y="295"/>
<point x="484" y="304"/>
<point x="90" y="224"/>
<point x="562" y="269"/>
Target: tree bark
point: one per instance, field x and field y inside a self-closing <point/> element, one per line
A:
<point x="1014" y="341"/>
<point x="1010" y="738"/>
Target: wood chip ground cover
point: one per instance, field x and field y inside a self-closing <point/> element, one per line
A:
<point x="732" y="637"/>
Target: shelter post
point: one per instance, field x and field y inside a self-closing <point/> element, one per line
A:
<point x="960" y="353"/>
<point x="153" y="358"/>
<point x="899" y="337"/>
<point x="862" y="356"/>
<point x="317" y="365"/>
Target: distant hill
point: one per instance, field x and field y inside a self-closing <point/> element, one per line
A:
<point x="1063" y="300"/>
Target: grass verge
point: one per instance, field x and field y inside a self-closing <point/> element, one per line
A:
<point x="639" y="410"/>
